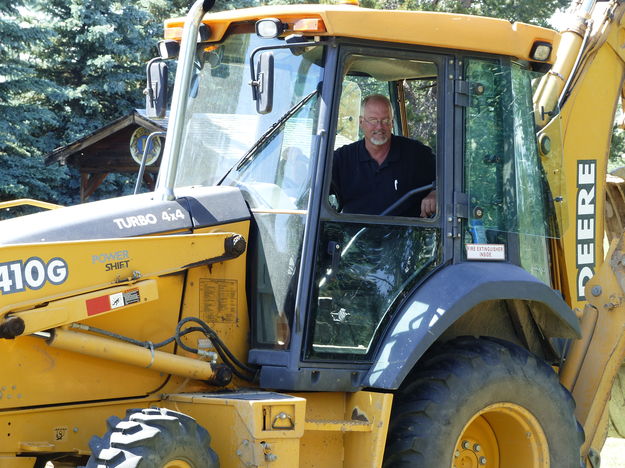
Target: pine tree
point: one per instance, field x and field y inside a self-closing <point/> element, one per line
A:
<point x="528" y="11"/>
<point x="97" y="53"/>
<point x="24" y="123"/>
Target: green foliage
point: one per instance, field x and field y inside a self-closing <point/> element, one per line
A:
<point x="24" y="122"/>
<point x="617" y="147"/>
<point x="528" y="11"/>
<point x="96" y="53"/>
<point x="71" y="67"/>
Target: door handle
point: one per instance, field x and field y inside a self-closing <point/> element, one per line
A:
<point x="334" y="250"/>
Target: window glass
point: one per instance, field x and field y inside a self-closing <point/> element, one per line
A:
<point x="221" y="124"/>
<point x="487" y="154"/>
<point x="504" y="177"/>
<point x="276" y="174"/>
<point x="354" y="90"/>
<point x="534" y="213"/>
<point x="421" y="104"/>
<point x="394" y="183"/>
<point x="364" y="271"/>
<point x="268" y="157"/>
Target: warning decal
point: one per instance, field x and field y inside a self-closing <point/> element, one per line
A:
<point x="60" y="433"/>
<point x="486" y="251"/>
<point x="100" y="304"/>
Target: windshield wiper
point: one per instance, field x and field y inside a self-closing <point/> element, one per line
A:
<point x="274" y="128"/>
<point x="269" y="133"/>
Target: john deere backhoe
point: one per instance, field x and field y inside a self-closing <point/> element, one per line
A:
<point x="234" y="317"/>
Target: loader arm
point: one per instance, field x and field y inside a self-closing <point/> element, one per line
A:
<point x="581" y="92"/>
<point x="595" y="360"/>
<point x="77" y="293"/>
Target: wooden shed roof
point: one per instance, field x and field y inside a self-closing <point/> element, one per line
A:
<point x="135" y="119"/>
<point x="106" y="151"/>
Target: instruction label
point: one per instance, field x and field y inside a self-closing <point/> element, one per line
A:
<point x="218" y="300"/>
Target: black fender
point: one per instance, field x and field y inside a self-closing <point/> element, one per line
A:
<point x="446" y="296"/>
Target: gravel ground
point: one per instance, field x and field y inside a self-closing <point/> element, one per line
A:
<point x="613" y="453"/>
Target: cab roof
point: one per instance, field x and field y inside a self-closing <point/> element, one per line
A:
<point x="433" y="29"/>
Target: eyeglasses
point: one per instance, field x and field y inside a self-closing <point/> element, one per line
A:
<point x="376" y="122"/>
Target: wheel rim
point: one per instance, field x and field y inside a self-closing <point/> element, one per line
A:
<point x="502" y="435"/>
<point x="177" y="464"/>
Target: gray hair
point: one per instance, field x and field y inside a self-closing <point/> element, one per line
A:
<point x="376" y="97"/>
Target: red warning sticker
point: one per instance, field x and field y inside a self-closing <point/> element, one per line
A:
<point x="100" y="304"/>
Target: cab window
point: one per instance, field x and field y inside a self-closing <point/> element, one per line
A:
<point x="365" y="267"/>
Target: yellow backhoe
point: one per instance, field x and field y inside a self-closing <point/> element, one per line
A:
<point x="236" y="317"/>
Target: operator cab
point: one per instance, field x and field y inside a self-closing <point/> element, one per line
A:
<point x="326" y="288"/>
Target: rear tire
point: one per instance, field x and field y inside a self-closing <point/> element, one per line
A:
<point x="483" y="403"/>
<point x="153" y="438"/>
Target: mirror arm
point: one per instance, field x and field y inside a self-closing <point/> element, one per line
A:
<point x="254" y="83"/>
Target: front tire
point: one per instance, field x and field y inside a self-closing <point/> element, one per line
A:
<point x="153" y="438"/>
<point x="483" y="403"/>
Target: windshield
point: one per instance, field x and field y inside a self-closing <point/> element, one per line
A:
<point x="221" y="124"/>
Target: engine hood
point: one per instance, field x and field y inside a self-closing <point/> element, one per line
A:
<point x="130" y="216"/>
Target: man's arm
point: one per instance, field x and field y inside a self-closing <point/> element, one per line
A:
<point x="428" y="166"/>
<point x="428" y="205"/>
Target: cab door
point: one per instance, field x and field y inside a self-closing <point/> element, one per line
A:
<point x="366" y="264"/>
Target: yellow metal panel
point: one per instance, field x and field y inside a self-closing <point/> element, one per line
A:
<point x="29" y="202"/>
<point x="322" y="450"/>
<point x="587" y="119"/>
<point x="77" y="267"/>
<point x="330" y="419"/>
<point x="33" y="373"/>
<point x="62" y="429"/>
<point x="17" y="462"/>
<point x="217" y="295"/>
<point x="31" y="368"/>
<point x="238" y="428"/>
<point x="376" y="407"/>
<point x="410" y="27"/>
<point x="74" y="309"/>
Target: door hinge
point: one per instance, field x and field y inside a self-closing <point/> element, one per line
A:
<point x="461" y="93"/>
<point x="461" y="205"/>
<point x="460" y="211"/>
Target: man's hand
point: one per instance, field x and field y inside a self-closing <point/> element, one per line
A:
<point x="428" y="205"/>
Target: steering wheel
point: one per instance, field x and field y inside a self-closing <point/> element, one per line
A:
<point x="406" y="196"/>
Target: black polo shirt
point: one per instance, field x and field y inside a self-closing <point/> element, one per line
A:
<point x="362" y="186"/>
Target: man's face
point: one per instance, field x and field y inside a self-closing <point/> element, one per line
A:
<point x="376" y="122"/>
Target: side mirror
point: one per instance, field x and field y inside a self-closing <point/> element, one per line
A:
<point x="156" y="89"/>
<point x="263" y="83"/>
